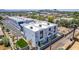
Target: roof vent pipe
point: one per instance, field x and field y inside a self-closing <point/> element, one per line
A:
<point x="40" y="25"/>
<point x="31" y="27"/>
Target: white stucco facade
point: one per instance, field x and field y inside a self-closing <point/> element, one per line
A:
<point x="39" y="32"/>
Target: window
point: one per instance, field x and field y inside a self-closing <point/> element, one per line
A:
<point x="38" y="43"/>
<point x="49" y="31"/>
<point x="21" y="28"/>
<point x="36" y="35"/>
<point x="54" y="28"/>
<point x="20" y="23"/>
<point x="41" y="34"/>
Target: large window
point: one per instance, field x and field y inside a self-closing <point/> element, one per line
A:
<point x="20" y="25"/>
<point x="41" y="34"/>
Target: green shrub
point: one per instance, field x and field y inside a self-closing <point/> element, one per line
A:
<point x="1" y="42"/>
<point x="6" y="41"/>
<point x="21" y="43"/>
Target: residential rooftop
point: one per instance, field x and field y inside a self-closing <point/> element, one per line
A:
<point x="19" y="19"/>
<point x="38" y="25"/>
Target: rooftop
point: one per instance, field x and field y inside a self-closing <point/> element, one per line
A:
<point x="38" y="25"/>
<point x="19" y="19"/>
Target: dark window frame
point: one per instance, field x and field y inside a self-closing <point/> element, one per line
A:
<point x="41" y="34"/>
<point x="49" y="31"/>
<point x="54" y="28"/>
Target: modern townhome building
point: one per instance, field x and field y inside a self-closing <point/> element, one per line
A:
<point x="39" y="33"/>
<point x="17" y="21"/>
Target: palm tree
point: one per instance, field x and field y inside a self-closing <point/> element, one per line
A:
<point x="74" y="26"/>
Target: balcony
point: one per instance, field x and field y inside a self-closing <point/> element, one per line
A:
<point x="46" y="40"/>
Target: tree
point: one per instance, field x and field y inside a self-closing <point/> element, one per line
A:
<point x="40" y="17"/>
<point x="57" y="22"/>
<point x="74" y="26"/>
<point x="33" y="15"/>
<point x="68" y="23"/>
<point x="20" y="15"/>
<point x="3" y="27"/>
<point x="64" y="23"/>
<point x="50" y="40"/>
<point x="7" y="30"/>
<point x="76" y="15"/>
<point x="74" y="21"/>
<point x="1" y="17"/>
<point x="1" y="42"/>
<point x="6" y="41"/>
<point x="50" y="18"/>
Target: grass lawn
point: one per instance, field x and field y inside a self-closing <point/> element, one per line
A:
<point x="21" y="43"/>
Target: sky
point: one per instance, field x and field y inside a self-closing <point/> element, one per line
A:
<point x="39" y="4"/>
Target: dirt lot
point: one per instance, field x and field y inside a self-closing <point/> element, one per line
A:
<point x="63" y="30"/>
<point x="75" y="46"/>
<point x="64" y="42"/>
<point x="2" y="47"/>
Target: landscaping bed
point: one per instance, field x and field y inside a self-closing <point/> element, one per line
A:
<point x="21" y="43"/>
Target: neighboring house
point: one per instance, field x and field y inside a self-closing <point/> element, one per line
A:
<point x="39" y="33"/>
<point x="17" y="21"/>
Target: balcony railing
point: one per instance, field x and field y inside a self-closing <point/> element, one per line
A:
<point x="47" y="40"/>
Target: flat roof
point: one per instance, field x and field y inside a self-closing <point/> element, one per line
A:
<point x="20" y="19"/>
<point x="38" y="25"/>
